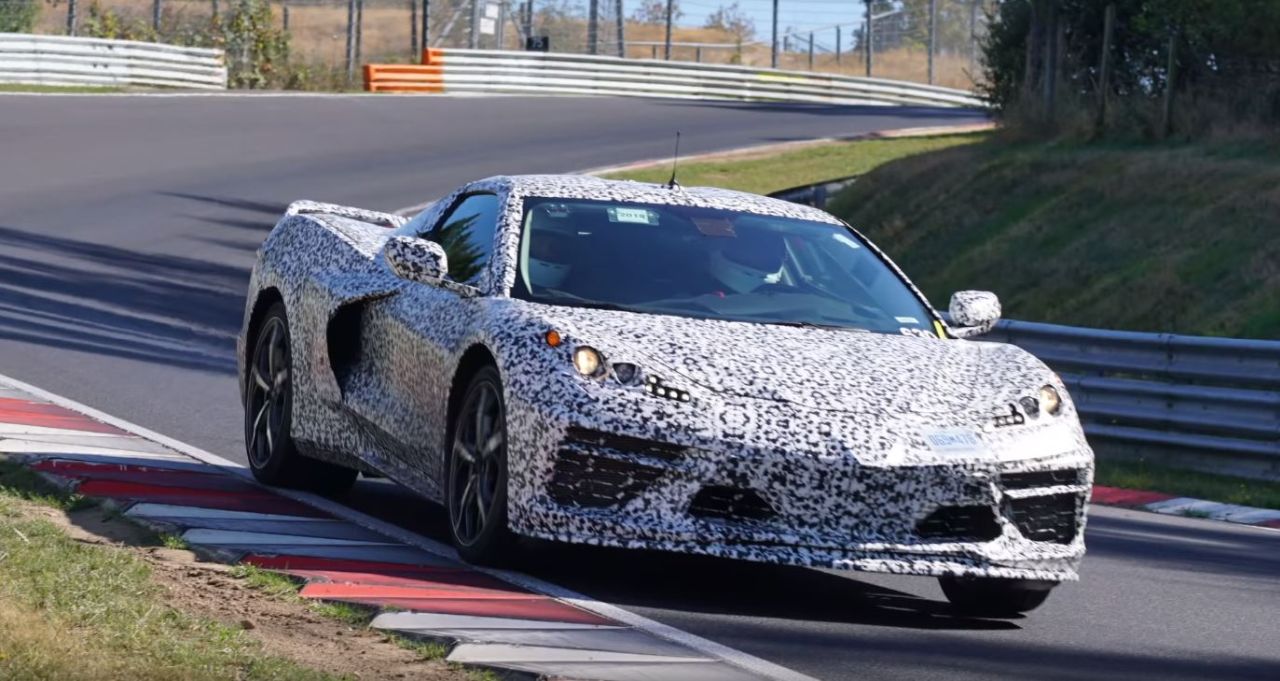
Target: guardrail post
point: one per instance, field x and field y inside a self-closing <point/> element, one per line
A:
<point x="71" y="17"/>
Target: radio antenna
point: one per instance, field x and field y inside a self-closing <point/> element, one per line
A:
<point x="675" y="164"/>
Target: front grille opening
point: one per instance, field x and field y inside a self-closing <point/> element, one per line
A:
<point x="730" y="503"/>
<point x="1050" y="518"/>
<point x="960" y="523"/>
<point x="1040" y="479"/>
<point x="623" y="443"/>
<point x="587" y="481"/>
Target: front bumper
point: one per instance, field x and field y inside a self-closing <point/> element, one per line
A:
<point x="1019" y="517"/>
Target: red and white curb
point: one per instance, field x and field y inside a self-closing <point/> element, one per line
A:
<point x="1186" y="506"/>
<point x="492" y="618"/>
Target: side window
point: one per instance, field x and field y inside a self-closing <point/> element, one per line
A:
<point x="466" y="232"/>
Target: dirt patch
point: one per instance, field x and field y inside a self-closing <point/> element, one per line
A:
<point x="285" y="628"/>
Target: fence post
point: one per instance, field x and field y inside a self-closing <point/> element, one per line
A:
<point x="426" y="26"/>
<point x="773" y="47"/>
<point x="973" y="35"/>
<point x="215" y="9"/>
<point x="413" y="28"/>
<point x="155" y="16"/>
<point x="1104" y="66"/>
<point x="867" y="32"/>
<point x="810" y="50"/>
<point x="622" y="31"/>
<point x="593" y="27"/>
<point x="284" y="17"/>
<point x="71" y="17"/>
<point x="837" y="45"/>
<point x="1170" y="80"/>
<point x="473" y="38"/>
<point x="501" y="34"/>
<point x="359" y="31"/>
<point x="351" y="40"/>
<point x="933" y="35"/>
<point x="666" y="50"/>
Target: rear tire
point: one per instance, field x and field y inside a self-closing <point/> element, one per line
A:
<point x="991" y="597"/>
<point x="268" y="413"/>
<point x="476" y="486"/>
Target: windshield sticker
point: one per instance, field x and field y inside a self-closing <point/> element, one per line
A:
<point x="907" y="320"/>
<point x="714" y="226"/>
<point x="637" y="215"/>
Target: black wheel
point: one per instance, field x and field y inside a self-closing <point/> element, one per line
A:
<point x="268" y="409"/>
<point x="476" y="495"/>
<point x="989" y="597"/>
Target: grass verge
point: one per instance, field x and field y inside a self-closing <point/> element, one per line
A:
<point x="1176" y="238"/>
<point x="76" y="611"/>
<point x="1145" y="475"/>
<point x="766" y="172"/>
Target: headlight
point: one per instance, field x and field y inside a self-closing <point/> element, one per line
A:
<point x="1050" y="400"/>
<point x="587" y="361"/>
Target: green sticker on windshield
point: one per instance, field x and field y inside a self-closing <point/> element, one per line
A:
<point x="637" y="215"/>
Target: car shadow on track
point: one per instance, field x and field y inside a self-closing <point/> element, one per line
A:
<point x="685" y="583"/>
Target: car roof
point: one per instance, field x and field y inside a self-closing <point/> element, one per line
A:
<point x="596" y="188"/>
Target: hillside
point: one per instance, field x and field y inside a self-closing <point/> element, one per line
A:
<point x="1175" y="238"/>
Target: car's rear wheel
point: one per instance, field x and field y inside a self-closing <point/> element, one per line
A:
<point x="268" y="413"/>
<point x="991" y="597"/>
<point x="476" y="495"/>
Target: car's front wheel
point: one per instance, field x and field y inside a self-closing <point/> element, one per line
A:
<point x="477" y="473"/>
<point x="992" y="597"/>
<point x="268" y="414"/>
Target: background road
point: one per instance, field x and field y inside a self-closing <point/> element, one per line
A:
<point x="128" y="226"/>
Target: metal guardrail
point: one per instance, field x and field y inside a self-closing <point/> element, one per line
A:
<point x="502" y="72"/>
<point x="63" y="60"/>
<point x="1197" y="395"/>
<point x="1198" y="402"/>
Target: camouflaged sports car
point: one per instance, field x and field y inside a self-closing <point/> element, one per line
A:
<point x="651" y="366"/>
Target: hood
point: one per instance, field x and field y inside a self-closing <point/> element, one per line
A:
<point x="826" y="369"/>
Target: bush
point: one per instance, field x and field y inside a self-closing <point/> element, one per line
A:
<point x="18" y="16"/>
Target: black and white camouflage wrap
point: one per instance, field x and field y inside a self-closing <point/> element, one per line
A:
<point x="837" y="431"/>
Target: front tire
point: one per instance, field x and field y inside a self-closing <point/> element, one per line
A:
<point x="991" y="597"/>
<point x="476" y="493"/>
<point x="268" y="414"/>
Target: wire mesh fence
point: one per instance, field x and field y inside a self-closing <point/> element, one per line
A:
<point x="926" y="41"/>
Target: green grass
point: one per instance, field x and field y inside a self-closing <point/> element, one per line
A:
<point x="1182" y="238"/>
<point x="767" y="173"/>
<point x="173" y="541"/>
<point x="1145" y="475"/>
<point x="66" y="89"/>
<point x="79" y="612"/>
<point x="19" y="482"/>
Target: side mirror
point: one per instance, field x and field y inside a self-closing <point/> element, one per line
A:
<point x="973" y="313"/>
<point x="416" y="259"/>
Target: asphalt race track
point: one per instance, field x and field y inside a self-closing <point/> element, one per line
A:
<point x="127" y="229"/>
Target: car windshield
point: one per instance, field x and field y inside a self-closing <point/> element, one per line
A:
<point x="709" y="263"/>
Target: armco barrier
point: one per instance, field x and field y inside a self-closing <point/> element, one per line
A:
<point x="63" y="60"/>
<point x="501" y="72"/>
<point x="1210" y="404"/>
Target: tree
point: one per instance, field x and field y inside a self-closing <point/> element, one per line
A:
<point x="655" y="12"/>
<point x="18" y="16"/>
<point x="731" y="20"/>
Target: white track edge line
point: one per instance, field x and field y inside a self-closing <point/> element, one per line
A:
<point x="719" y="651"/>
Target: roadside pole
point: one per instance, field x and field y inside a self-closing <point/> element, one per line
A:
<point x="622" y="31"/>
<point x="773" y="49"/>
<point x="866" y="35"/>
<point x="666" y="50"/>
